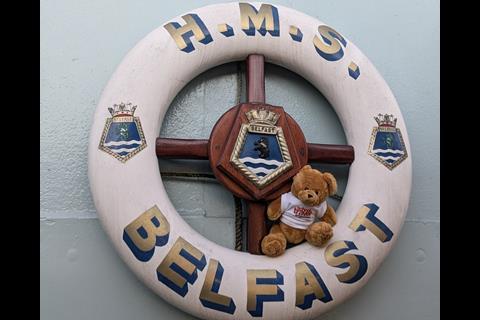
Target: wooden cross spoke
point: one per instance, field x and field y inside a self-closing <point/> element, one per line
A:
<point x="223" y="145"/>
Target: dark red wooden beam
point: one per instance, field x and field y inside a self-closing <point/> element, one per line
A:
<point x="198" y="149"/>
<point x="182" y="148"/>
<point x="257" y="227"/>
<point x="330" y="153"/>
<point x="256" y="78"/>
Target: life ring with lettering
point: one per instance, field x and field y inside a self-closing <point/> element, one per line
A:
<point x="180" y="265"/>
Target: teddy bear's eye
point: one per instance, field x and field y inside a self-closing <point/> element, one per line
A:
<point x="316" y="192"/>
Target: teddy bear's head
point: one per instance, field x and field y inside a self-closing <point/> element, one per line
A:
<point x="312" y="187"/>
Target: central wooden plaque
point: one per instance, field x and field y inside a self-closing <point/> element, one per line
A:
<point x="255" y="149"/>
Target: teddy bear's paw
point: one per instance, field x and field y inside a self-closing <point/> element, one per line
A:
<point x="274" y="245"/>
<point x="274" y="210"/>
<point x="319" y="233"/>
<point x="273" y="215"/>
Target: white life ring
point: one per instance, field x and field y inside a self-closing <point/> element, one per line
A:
<point x="180" y="265"/>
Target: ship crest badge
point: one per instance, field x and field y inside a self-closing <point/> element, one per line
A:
<point x="123" y="135"/>
<point x="261" y="153"/>
<point x="386" y="143"/>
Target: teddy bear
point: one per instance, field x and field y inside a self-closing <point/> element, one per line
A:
<point x="297" y="211"/>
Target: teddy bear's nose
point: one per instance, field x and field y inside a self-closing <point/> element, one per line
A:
<point x="310" y="195"/>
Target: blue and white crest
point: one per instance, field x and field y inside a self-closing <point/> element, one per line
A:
<point x="261" y="153"/>
<point x="386" y="143"/>
<point x="122" y="136"/>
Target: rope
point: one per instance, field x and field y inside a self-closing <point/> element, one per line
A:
<point x="238" y="201"/>
<point x="186" y="174"/>
<point x="238" y="224"/>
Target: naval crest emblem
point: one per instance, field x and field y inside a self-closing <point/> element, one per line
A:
<point x="386" y="142"/>
<point x="261" y="153"/>
<point x="123" y="135"/>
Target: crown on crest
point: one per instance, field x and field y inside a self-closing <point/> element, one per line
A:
<point x="387" y="120"/>
<point x="262" y="116"/>
<point x="122" y="109"/>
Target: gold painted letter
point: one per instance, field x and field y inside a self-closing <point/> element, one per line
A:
<point x="209" y="296"/>
<point x="262" y="285"/>
<point x="150" y="229"/>
<point x="330" y="48"/>
<point x="366" y="219"/>
<point x="336" y="257"/>
<point x="310" y="286"/>
<point x="180" y="266"/>
<point x="194" y="27"/>
<point x="265" y="20"/>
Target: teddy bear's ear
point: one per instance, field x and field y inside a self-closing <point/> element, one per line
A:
<point x="331" y="182"/>
<point x="306" y="167"/>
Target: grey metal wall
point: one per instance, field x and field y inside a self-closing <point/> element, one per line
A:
<point x="82" y="42"/>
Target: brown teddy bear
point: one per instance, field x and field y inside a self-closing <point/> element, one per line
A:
<point x="297" y="210"/>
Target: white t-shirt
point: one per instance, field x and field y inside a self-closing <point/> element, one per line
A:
<point x="298" y="215"/>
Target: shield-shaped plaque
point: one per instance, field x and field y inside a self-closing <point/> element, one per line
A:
<point x="263" y="149"/>
<point x="261" y="152"/>
<point x="386" y="143"/>
<point x="122" y="136"/>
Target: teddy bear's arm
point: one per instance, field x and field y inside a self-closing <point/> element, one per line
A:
<point x="274" y="209"/>
<point x="329" y="217"/>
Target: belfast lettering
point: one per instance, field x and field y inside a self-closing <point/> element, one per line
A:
<point x="180" y="266"/>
